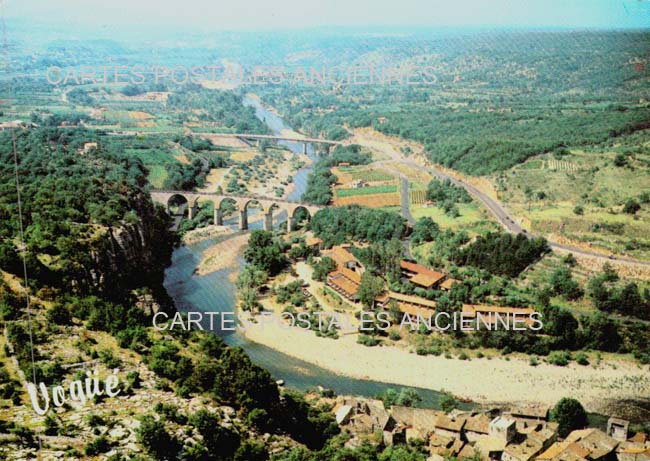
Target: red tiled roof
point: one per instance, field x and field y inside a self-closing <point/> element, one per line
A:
<point x="425" y="274"/>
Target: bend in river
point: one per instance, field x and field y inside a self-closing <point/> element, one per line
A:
<point x="216" y="292"/>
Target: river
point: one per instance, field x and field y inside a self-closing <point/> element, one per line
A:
<point x="215" y="292"/>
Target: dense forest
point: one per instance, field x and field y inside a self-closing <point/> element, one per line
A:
<point x="223" y="108"/>
<point x="339" y="224"/>
<point x="79" y="212"/>
<point x="502" y="254"/>
<point x="491" y="110"/>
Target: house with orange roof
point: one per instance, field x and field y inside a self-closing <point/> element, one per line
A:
<point x="493" y="316"/>
<point x="448" y="283"/>
<point x="412" y="305"/>
<point x="585" y="444"/>
<point x="344" y="258"/>
<point x="421" y="275"/>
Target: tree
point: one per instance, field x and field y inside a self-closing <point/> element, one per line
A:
<point x="153" y="436"/>
<point x="323" y="267"/>
<point x="221" y="442"/>
<point x="249" y="282"/>
<point x="620" y="160"/>
<point x="369" y="288"/>
<point x="425" y="230"/>
<point x="251" y="450"/>
<point x="570" y="415"/>
<point x="448" y="403"/>
<point x="562" y="283"/>
<point x="570" y="260"/>
<point x="383" y="258"/>
<point x="265" y="251"/>
<point x="631" y="206"/>
<point x="562" y="325"/>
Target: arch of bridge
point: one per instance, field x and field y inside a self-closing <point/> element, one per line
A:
<point x="242" y="203"/>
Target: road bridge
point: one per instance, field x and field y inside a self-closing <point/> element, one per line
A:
<point x="257" y="138"/>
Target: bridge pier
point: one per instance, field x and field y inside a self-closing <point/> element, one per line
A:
<point x="218" y="216"/>
<point x="291" y="223"/>
<point x="190" y="211"/>
<point x="268" y="221"/>
<point x="243" y="219"/>
<point x="304" y="148"/>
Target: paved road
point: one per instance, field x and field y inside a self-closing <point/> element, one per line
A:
<point x="507" y="221"/>
<point x="404" y="199"/>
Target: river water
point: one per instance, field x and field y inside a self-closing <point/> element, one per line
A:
<point x="215" y="292"/>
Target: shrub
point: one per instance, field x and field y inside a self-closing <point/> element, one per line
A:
<point x="559" y="358"/>
<point x="367" y="340"/>
<point x="581" y="358"/>
<point x="97" y="446"/>
<point x="570" y="415"/>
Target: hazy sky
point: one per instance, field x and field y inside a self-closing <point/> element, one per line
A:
<point x="254" y="14"/>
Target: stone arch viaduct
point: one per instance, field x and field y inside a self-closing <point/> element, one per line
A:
<point x="242" y="202"/>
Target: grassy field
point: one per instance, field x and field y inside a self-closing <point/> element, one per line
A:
<point x="157" y="175"/>
<point x="472" y="218"/>
<point x="581" y="197"/>
<point x="384" y="189"/>
<point x="366" y="174"/>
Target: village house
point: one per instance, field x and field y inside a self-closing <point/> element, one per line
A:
<point x="412" y="305"/>
<point x="419" y="423"/>
<point x="477" y="424"/>
<point x="490" y="447"/>
<point x="617" y="428"/>
<point x="524" y="451"/>
<point x="633" y="454"/>
<point x="636" y="448"/>
<point x="420" y="275"/>
<point x="445" y="447"/>
<point x="584" y="444"/>
<point x="530" y="444"/>
<point x="344" y="258"/>
<point x="450" y="426"/>
<point x="525" y="415"/>
<point x="88" y="146"/>
<point x="358" y="184"/>
<point x="497" y="317"/>
<point x="16" y="124"/>
<point x="365" y="416"/>
<point x="345" y="282"/>
<point x="448" y="283"/>
<point x="346" y="278"/>
<point x="503" y="428"/>
<point x="312" y="241"/>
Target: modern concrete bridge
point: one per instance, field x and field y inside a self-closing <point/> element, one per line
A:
<point x="257" y="138"/>
<point x="242" y="202"/>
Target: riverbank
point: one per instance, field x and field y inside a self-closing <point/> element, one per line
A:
<point x="224" y="254"/>
<point x="482" y="380"/>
